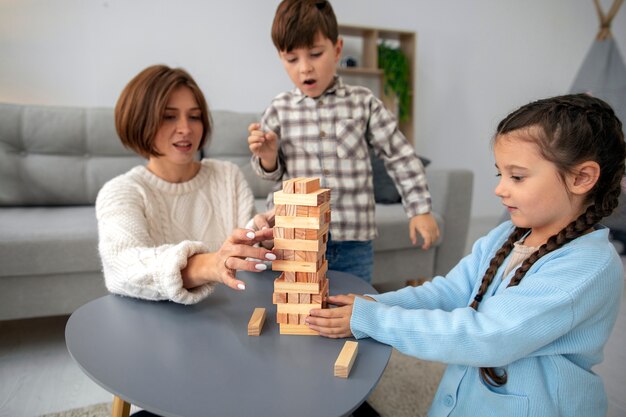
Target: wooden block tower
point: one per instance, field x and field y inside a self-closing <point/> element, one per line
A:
<point x="300" y="236"/>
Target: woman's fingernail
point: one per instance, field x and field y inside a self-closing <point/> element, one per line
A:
<point x="270" y="256"/>
<point x="250" y="235"/>
<point x="260" y="267"/>
<point x="241" y="286"/>
<point x="264" y="227"/>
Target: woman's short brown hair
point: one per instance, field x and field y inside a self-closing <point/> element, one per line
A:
<point x="141" y="106"/>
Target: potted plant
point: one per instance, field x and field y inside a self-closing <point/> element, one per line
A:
<point x="397" y="77"/>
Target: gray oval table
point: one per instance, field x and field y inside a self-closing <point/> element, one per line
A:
<point x="198" y="360"/>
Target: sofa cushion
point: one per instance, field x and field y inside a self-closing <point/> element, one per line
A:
<point x="51" y="240"/>
<point x="58" y="155"/>
<point x="394" y="234"/>
<point x="385" y="191"/>
<point x="230" y="142"/>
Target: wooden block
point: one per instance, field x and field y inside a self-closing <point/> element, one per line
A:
<point x="301" y="211"/>
<point x="297" y="329"/>
<point x="289" y="276"/>
<point x="299" y="244"/>
<point x="292" y="300"/>
<point x="289" y="186"/>
<point x="314" y="234"/>
<point x="279" y="297"/>
<point x="304" y="299"/>
<point x="290" y="308"/>
<point x="307" y="185"/>
<point x="302" y="276"/>
<point x="320" y="298"/>
<point x="295" y="266"/>
<point x="317" y="211"/>
<point x="316" y="276"/>
<point x="313" y="199"/>
<point x="280" y="210"/>
<point x="281" y="286"/>
<point x="301" y="255"/>
<point x="282" y="318"/>
<point x="288" y="255"/>
<point x="291" y="210"/>
<point x="279" y="233"/>
<point x="289" y="232"/>
<point x="300" y="222"/>
<point x="346" y="358"/>
<point x="256" y="322"/>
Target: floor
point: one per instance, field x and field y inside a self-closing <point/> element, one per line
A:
<point x="37" y="375"/>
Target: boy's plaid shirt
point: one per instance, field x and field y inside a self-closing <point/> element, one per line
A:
<point x="328" y="137"/>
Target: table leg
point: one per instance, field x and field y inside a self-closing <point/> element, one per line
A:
<point x="120" y="407"/>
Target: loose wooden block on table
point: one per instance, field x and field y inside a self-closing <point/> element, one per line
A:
<point x="256" y="322"/>
<point x="346" y="358"/>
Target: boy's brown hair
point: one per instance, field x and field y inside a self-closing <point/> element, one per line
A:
<point x="140" y="108"/>
<point x="297" y="23"/>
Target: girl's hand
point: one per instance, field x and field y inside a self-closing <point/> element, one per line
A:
<point x="264" y="145"/>
<point x="232" y="256"/>
<point x="333" y="322"/>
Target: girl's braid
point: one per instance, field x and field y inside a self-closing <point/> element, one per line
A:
<point x="495" y="263"/>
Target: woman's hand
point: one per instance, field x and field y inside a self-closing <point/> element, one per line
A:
<point x="236" y="253"/>
<point x="333" y="322"/>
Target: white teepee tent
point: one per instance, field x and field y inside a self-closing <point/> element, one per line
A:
<point x="603" y="75"/>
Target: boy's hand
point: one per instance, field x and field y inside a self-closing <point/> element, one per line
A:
<point x="265" y="221"/>
<point x="264" y="145"/>
<point x="426" y="226"/>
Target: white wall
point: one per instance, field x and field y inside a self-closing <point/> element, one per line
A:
<point x="476" y="60"/>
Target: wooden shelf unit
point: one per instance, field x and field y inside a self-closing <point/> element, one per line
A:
<point x="368" y="64"/>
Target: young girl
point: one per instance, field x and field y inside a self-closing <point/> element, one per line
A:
<point x="522" y="319"/>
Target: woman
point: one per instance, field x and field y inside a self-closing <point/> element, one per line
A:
<point x="165" y="228"/>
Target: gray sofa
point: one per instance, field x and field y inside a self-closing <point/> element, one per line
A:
<point x="53" y="161"/>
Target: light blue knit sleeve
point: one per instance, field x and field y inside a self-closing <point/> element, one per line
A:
<point x="564" y="297"/>
<point x="453" y="290"/>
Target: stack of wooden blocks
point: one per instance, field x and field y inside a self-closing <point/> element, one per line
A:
<point x="300" y="237"/>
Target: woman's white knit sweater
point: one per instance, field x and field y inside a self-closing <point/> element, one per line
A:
<point x="149" y="227"/>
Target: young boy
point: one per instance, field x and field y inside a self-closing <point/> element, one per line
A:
<point x="324" y="128"/>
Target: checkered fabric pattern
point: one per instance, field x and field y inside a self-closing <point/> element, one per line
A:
<point x="329" y="137"/>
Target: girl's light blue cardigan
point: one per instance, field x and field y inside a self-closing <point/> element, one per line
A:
<point x="547" y="332"/>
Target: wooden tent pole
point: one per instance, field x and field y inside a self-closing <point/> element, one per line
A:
<point x="605" y="20"/>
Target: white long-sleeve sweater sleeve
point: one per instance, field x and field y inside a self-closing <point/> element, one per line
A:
<point x="148" y="228"/>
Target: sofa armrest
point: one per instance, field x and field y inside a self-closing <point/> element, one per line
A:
<point x="451" y="190"/>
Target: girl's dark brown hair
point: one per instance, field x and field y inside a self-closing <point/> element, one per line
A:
<point x="140" y="108"/>
<point x="568" y="130"/>
<point x="297" y="23"/>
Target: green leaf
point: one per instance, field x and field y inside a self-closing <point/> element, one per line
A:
<point x="396" y="79"/>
